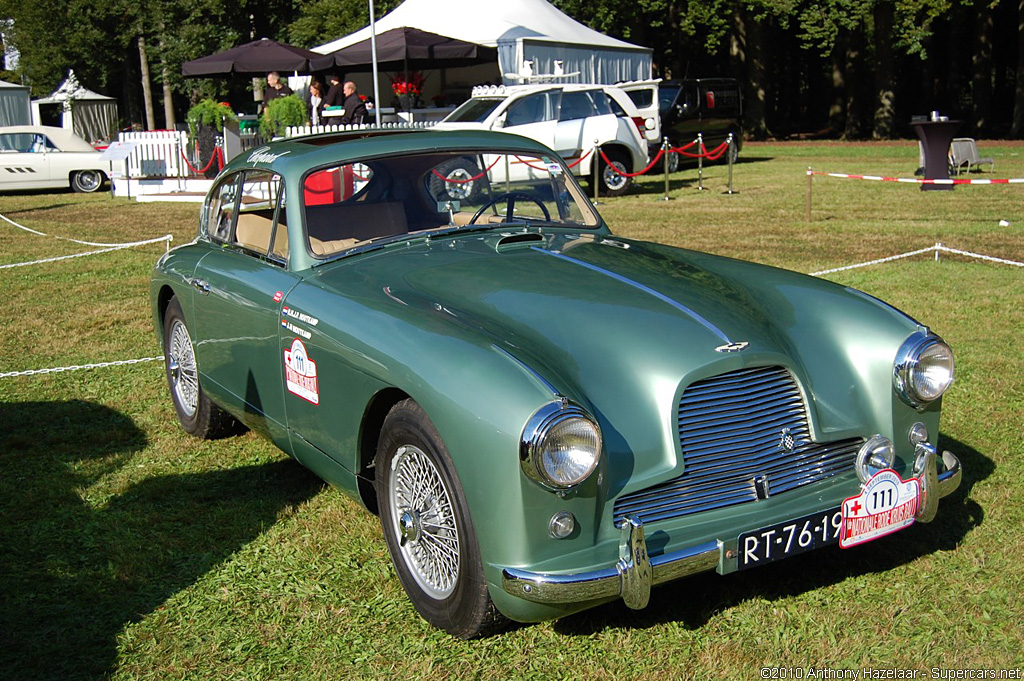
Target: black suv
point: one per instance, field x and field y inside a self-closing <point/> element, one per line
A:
<point x="712" y="107"/>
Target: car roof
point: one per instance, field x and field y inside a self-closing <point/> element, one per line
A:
<point x="63" y="138"/>
<point x="297" y="154"/>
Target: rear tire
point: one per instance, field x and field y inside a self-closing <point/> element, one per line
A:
<point x="455" y="182"/>
<point x="427" y="527"/>
<point x="612" y="183"/>
<point x="86" y="181"/>
<point x="196" y="413"/>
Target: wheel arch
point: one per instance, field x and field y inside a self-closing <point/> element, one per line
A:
<point x="370" y="430"/>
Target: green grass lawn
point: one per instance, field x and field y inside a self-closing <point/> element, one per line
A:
<point x="131" y="550"/>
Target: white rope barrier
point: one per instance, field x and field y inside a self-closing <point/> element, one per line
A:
<point x="937" y="248"/>
<point x="118" y="247"/>
<point x="166" y="237"/>
<point x="99" y="365"/>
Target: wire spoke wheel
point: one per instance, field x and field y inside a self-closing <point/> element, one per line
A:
<point x="182" y="369"/>
<point x="423" y="519"/>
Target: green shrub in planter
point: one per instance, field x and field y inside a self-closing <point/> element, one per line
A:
<point x="209" y="113"/>
<point x="281" y="113"/>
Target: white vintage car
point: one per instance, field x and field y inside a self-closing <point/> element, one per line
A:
<point x="42" y="157"/>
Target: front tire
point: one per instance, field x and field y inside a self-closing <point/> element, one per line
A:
<point x="196" y="413"/>
<point x="427" y="527"/>
<point x="87" y="181"/>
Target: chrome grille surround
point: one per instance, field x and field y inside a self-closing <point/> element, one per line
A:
<point x="744" y="437"/>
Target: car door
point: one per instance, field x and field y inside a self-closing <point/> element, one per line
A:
<point x="237" y="299"/>
<point x="24" y="160"/>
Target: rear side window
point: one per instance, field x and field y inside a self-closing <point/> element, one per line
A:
<point x="576" y="105"/>
<point x="642" y="98"/>
<point x="247" y="210"/>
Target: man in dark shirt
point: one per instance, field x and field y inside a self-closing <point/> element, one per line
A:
<point x="275" y="88"/>
<point x="355" y="110"/>
<point x="334" y="94"/>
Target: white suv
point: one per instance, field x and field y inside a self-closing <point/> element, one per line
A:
<point x="568" y="118"/>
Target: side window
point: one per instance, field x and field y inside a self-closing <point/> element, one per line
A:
<point x="531" y="109"/>
<point x="576" y="105"/>
<point x="17" y="142"/>
<point x="219" y="211"/>
<point x="261" y="226"/>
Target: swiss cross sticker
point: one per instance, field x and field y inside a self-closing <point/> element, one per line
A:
<point x="887" y="504"/>
<point x="278" y="296"/>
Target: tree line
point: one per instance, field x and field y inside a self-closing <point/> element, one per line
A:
<point x="853" y="69"/>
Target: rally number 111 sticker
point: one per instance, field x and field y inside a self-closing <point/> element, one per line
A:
<point x="887" y="504"/>
<point x="300" y="373"/>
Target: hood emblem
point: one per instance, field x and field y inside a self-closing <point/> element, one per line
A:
<point x="739" y="346"/>
<point x="787" y="442"/>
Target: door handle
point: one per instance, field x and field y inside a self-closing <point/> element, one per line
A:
<point x="201" y="285"/>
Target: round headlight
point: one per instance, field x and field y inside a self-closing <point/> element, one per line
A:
<point x="561" y="446"/>
<point x="877" y="454"/>
<point x="923" y="370"/>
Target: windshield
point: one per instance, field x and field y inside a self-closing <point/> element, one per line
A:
<point x="475" y="110"/>
<point x="410" y="195"/>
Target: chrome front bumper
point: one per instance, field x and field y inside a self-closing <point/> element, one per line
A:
<point x="636" y="572"/>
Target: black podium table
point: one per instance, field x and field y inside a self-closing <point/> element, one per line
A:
<point x="936" y="137"/>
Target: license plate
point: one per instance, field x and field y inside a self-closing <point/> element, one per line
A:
<point x="790" y="538"/>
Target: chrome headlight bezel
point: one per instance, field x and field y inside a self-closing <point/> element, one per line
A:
<point x="552" y="421"/>
<point x="922" y="350"/>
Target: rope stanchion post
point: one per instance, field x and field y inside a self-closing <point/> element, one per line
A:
<point x="732" y="155"/>
<point x="596" y="167"/>
<point x="810" y="179"/>
<point x="664" y="151"/>
<point x="700" y="162"/>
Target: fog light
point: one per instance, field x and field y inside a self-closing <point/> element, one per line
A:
<point x="877" y="454"/>
<point x="918" y="433"/>
<point x="561" y="525"/>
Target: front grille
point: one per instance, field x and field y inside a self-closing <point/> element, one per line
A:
<point x="734" y="430"/>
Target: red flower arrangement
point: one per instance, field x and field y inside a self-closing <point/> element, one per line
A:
<point x="410" y="83"/>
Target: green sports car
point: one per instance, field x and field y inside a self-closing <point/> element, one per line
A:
<point x="545" y="416"/>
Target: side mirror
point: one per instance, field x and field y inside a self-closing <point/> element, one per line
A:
<point x="499" y="122"/>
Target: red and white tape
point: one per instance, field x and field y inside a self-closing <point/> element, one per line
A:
<point x="915" y="180"/>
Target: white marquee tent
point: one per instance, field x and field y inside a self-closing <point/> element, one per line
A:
<point x="522" y="31"/>
<point x="90" y="115"/>
<point x="14" y="104"/>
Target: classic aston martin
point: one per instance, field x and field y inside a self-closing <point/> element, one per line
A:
<point x="545" y="416"/>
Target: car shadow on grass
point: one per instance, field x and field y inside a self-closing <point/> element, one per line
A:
<point x="694" y="601"/>
<point x="74" y="573"/>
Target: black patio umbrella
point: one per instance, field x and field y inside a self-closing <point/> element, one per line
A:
<point x="407" y="48"/>
<point x="257" y="57"/>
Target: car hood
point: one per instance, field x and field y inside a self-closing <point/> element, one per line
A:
<point x="618" y="324"/>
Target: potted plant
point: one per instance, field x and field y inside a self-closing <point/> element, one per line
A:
<point x="205" y="122"/>
<point x="407" y="87"/>
<point x="282" y="113"/>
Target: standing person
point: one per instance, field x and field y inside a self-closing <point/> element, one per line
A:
<point x="334" y="94"/>
<point x="316" y="103"/>
<point x="355" y="110"/>
<point x="275" y="88"/>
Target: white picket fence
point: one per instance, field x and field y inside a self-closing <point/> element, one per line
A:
<point x="157" y="153"/>
<point x="301" y="130"/>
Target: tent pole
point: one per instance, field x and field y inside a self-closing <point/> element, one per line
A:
<point x="373" y="51"/>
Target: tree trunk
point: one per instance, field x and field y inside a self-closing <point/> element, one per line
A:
<point x="169" y="120"/>
<point x="1017" y="129"/>
<point x="854" y="76"/>
<point x="147" y="88"/>
<point x="837" y="105"/>
<point x="885" y="74"/>
<point x="981" y="62"/>
<point x="747" y="49"/>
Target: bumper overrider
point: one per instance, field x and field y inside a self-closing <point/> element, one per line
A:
<point x="632" y="577"/>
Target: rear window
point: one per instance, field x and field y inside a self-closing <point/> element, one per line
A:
<point x="642" y="98"/>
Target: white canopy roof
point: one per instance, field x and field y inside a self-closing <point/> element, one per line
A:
<point x="522" y="30"/>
